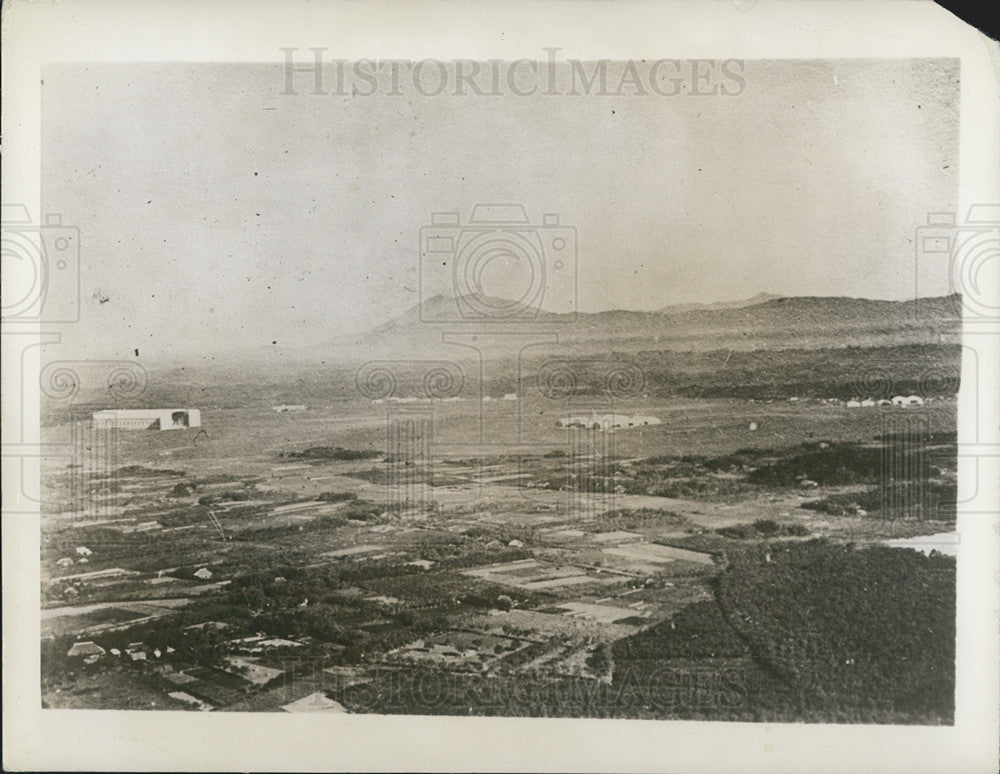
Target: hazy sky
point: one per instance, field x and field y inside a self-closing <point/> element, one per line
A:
<point x="216" y="213"/>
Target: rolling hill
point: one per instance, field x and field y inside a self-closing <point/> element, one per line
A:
<point x="763" y="322"/>
<point x="759" y="341"/>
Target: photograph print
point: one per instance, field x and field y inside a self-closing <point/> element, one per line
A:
<point x="535" y="388"/>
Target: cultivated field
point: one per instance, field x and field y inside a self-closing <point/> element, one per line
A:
<point x="571" y="572"/>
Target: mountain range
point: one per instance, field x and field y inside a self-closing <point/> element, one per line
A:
<point x="762" y="322"/>
<point x="760" y="298"/>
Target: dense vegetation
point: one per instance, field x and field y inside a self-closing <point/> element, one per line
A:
<point x="698" y="631"/>
<point x="923" y="499"/>
<point x="763" y="528"/>
<point x="901" y="473"/>
<point x="856" y="634"/>
<point x="331" y="453"/>
<point x="820" y="373"/>
<point x="762" y="374"/>
<point x="835" y="633"/>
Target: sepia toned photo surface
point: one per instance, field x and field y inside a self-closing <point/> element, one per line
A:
<point x="376" y="390"/>
<point x="585" y="389"/>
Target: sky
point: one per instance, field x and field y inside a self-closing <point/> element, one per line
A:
<point x="217" y="213"/>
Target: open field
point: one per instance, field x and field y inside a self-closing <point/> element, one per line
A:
<point x="248" y="561"/>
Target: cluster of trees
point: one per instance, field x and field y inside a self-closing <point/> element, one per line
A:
<point x="826" y="463"/>
<point x="836" y="465"/>
<point x="822" y="632"/>
<point x="635" y="518"/>
<point x="894" y="500"/>
<point x="331" y="453"/>
<point x="764" y="374"/>
<point x="141" y="471"/>
<point x="778" y="374"/>
<point x="699" y="631"/>
<point x="864" y="633"/>
<point x="763" y="528"/>
<point x="355" y="509"/>
<point x="854" y="463"/>
<point x="336" y="497"/>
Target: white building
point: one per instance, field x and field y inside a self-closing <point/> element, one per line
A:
<point x="314" y="702"/>
<point x="285" y="409"/>
<point x="147" y="419"/>
<point x="86" y="648"/>
<point x="607" y="421"/>
<point x="907" y="400"/>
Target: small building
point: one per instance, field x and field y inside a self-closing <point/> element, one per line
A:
<point x="510" y="396"/>
<point x="314" y="702"/>
<point x="87" y="648"/>
<point x="147" y="419"/>
<point x="64" y="562"/>
<point x="83" y="551"/>
<point x="286" y="409"/>
<point x="853" y="404"/>
<point x="867" y="403"/>
<point x="907" y="401"/>
<point x="607" y="421"/>
<point x="204" y="573"/>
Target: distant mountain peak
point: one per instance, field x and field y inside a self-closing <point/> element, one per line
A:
<point x="760" y="298"/>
